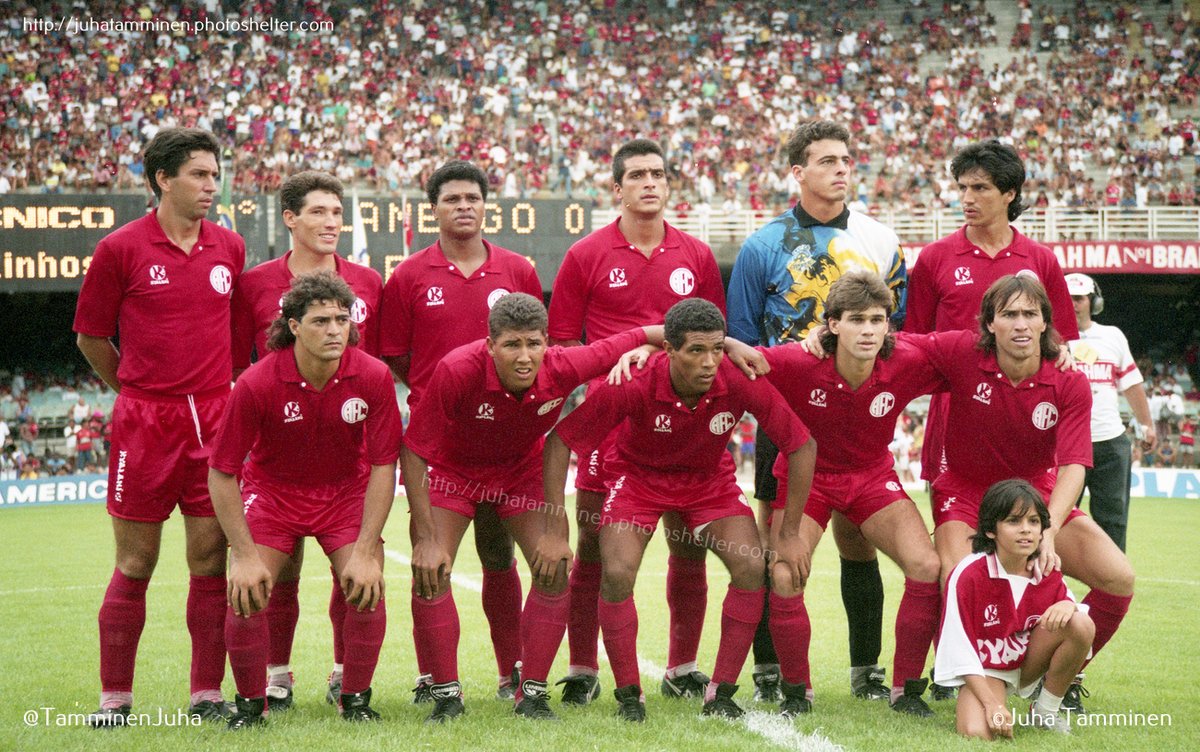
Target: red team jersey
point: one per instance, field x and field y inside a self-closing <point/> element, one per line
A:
<point x="172" y="309"/>
<point x="660" y="437"/>
<point x="606" y="285"/>
<point x="259" y="292"/>
<point x="298" y="436"/>
<point x="948" y="280"/>
<point x="853" y="427"/>
<point x="988" y="617"/>
<point x="469" y="424"/>
<point x="430" y="308"/>
<point x="997" y="430"/>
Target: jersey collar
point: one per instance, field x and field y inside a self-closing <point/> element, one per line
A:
<point x="804" y="219"/>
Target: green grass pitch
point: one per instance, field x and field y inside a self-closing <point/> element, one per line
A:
<point x="56" y="563"/>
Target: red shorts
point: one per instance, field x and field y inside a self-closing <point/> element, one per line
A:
<point x="281" y="515"/>
<point x="592" y="474"/>
<point x="933" y="455"/>
<point x="954" y="498"/>
<point x="699" y="498"/>
<point x="856" y="495"/>
<point x="159" y="454"/>
<point x="511" y="491"/>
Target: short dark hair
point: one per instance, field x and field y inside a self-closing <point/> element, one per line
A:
<point x="308" y="289"/>
<point x="1000" y="293"/>
<point x="857" y="291"/>
<point x="517" y="312"/>
<point x="998" y="503"/>
<point x="456" y="170"/>
<point x="691" y="315"/>
<point x="814" y="130"/>
<point x="1000" y="163"/>
<point x="170" y="148"/>
<point x="639" y="147"/>
<point x="295" y="190"/>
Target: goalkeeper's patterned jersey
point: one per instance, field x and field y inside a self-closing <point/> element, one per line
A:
<point x="784" y="270"/>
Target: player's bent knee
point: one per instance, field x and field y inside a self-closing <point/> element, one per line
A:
<point x="616" y="584"/>
<point x="925" y="569"/>
<point x="1081" y="628"/>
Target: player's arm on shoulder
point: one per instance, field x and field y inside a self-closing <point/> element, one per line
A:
<point x="249" y="581"/>
<point x="102" y="355"/>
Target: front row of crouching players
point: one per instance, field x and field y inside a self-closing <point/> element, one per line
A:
<point x="313" y="430"/>
<point x="672" y="423"/>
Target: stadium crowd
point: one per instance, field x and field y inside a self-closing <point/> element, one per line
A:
<point x="53" y="423"/>
<point x="1100" y="98"/>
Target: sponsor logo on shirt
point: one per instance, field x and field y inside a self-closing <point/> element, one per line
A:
<point x="354" y="410"/>
<point x="1045" y="416"/>
<point x="962" y="276"/>
<point x="983" y="393"/>
<point x="683" y="281"/>
<point x="547" y="407"/>
<point x="991" y="615"/>
<point x="291" y="412"/>
<point x="892" y="485"/>
<point x="722" y="423"/>
<point x="358" y="311"/>
<point x="485" y="412"/>
<point x="616" y="278"/>
<point x="495" y="295"/>
<point x="433" y="296"/>
<point x="158" y="275"/>
<point x="817" y="398"/>
<point x="662" y="424"/>
<point x="882" y="404"/>
<point x="1003" y="651"/>
<point x="221" y="279"/>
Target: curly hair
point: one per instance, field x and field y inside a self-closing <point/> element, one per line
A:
<point x="317" y="287"/>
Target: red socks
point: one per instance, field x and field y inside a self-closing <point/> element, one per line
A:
<point x="619" y="625"/>
<point x="248" y="640"/>
<point x="283" y="611"/>
<point x="502" y="607"/>
<point x="435" y="636"/>
<point x="122" y="616"/>
<point x="363" y="634"/>
<point x="583" y="626"/>
<point x="791" y="632"/>
<point x="916" y="623"/>
<point x="687" y="599"/>
<point x="542" y="625"/>
<point x="1107" y="611"/>
<point x="337" y="618"/>
<point x="739" y="620"/>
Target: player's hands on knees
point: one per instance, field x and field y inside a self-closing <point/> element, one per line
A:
<point x="1057" y="616"/>
<point x="790" y="564"/>
<point x="248" y="585"/>
<point x="812" y="343"/>
<point x="1047" y="559"/>
<point x="751" y="362"/>
<point x="999" y="719"/>
<point x="637" y="357"/>
<point x="362" y="582"/>
<point x="430" y="564"/>
<point x="552" y="552"/>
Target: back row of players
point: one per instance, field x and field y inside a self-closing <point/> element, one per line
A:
<point x="313" y="433"/>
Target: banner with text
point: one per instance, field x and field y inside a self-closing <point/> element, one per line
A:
<point x="1114" y="256"/>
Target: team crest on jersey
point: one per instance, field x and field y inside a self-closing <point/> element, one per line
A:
<point x="962" y="276"/>
<point x="817" y="398"/>
<point x="991" y="615"/>
<point x="291" y="412"/>
<point x="354" y="410"/>
<point x="983" y="393"/>
<point x="358" y="311"/>
<point x="433" y="296"/>
<point x="158" y="275"/>
<point x="495" y="295"/>
<point x="221" y="279"/>
<point x="892" y="485"/>
<point x="882" y="404"/>
<point x="683" y="281"/>
<point x="485" y="412"/>
<point x="722" y="423"/>
<point x="616" y="278"/>
<point x="662" y="423"/>
<point x="1045" y="416"/>
<point x="547" y="407"/>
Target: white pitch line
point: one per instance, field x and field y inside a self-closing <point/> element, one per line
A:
<point x="462" y="580"/>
